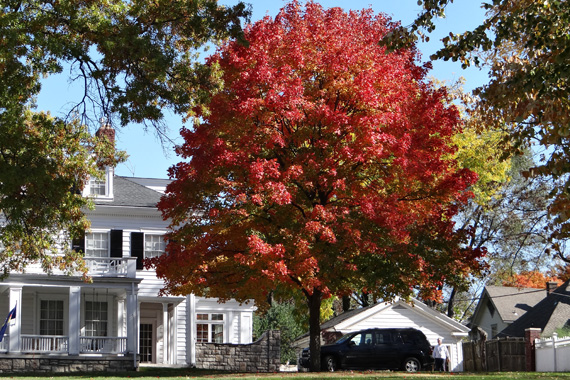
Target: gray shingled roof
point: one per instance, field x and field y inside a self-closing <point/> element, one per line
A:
<point x="150" y="182"/>
<point x="130" y="193"/>
<point x="549" y="314"/>
<point x="512" y="302"/>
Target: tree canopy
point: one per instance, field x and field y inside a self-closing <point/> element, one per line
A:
<point x="44" y="166"/>
<point x="134" y="59"/>
<point x="324" y="165"/>
<point x="525" y="45"/>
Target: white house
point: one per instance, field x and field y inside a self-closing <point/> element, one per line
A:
<point x="120" y="313"/>
<point x="400" y="313"/>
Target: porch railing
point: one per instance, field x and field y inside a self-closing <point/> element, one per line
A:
<point x="45" y="343"/>
<point x="5" y="343"/>
<point x="112" y="266"/>
<point x="102" y="345"/>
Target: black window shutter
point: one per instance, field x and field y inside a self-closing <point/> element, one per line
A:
<point x="137" y="248"/>
<point x="116" y="243"/>
<point x="78" y="243"/>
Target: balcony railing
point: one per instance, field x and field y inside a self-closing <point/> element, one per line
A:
<point x="45" y="343"/>
<point x="112" y="266"/>
<point x="103" y="345"/>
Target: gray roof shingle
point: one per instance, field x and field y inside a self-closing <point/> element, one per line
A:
<point x="549" y="314"/>
<point x="512" y="302"/>
<point x="131" y="194"/>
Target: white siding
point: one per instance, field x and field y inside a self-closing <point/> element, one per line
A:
<point x="400" y="316"/>
<point x="29" y="312"/>
<point x="486" y="321"/>
<point x="234" y="329"/>
<point x="246" y="327"/>
<point x="181" y="325"/>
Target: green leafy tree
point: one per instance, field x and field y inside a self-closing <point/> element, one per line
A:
<point x="133" y="59"/>
<point x="44" y="165"/>
<point x="525" y="45"/>
<point x="285" y="318"/>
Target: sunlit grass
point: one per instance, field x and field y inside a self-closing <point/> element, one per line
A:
<point x="186" y="373"/>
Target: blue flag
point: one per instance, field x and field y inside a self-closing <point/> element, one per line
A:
<point x="11" y="315"/>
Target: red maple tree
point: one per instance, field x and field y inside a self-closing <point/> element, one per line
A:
<point x="322" y="167"/>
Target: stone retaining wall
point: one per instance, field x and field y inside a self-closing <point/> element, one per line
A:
<point x="263" y="355"/>
<point x="64" y="364"/>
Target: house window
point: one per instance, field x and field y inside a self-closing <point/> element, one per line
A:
<point x="210" y="328"/>
<point x="97" y="244"/>
<point x="493" y="330"/>
<point x="154" y="245"/>
<point x="51" y="317"/>
<point x="96" y="314"/>
<point x="97" y="187"/>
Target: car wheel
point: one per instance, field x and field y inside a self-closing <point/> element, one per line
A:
<point x="412" y="365"/>
<point x="330" y="364"/>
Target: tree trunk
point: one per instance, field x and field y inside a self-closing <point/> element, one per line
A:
<point x="345" y="303"/>
<point x="450" y="311"/>
<point x="314" y="302"/>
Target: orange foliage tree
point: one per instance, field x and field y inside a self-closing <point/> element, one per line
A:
<point x="530" y="279"/>
<point x="322" y="167"/>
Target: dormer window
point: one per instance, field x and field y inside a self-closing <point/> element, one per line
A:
<point x="101" y="188"/>
<point x="97" y="187"/>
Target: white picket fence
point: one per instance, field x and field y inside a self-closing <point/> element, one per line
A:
<point x="552" y="354"/>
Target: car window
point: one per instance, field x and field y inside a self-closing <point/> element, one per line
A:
<point x="383" y="337"/>
<point x="342" y="339"/>
<point x="363" y="339"/>
<point x="410" y="337"/>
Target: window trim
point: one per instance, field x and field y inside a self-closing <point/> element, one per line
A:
<point x="110" y="311"/>
<point x="52" y="297"/>
<point x="98" y="231"/>
<point x="108" y="180"/>
<point x="153" y="234"/>
<point x="211" y="322"/>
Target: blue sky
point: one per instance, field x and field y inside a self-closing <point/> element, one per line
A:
<point x="147" y="158"/>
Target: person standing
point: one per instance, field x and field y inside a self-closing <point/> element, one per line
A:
<point x="440" y="354"/>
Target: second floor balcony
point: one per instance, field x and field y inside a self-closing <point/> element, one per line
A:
<point x="112" y="266"/>
<point x="125" y="267"/>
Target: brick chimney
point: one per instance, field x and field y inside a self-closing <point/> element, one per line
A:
<point x="106" y="130"/>
<point x="551" y="286"/>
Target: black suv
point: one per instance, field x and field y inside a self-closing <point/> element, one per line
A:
<point x="397" y="348"/>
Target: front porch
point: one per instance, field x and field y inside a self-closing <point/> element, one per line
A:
<point x="63" y="316"/>
<point x="59" y="345"/>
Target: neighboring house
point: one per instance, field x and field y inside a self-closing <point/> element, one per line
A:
<point x="398" y="313"/>
<point x="550" y="314"/>
<point x="499" y="306"/>
<point x="121" y="312"/>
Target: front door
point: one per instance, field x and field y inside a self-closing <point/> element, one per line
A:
<point x="146" y="343"/>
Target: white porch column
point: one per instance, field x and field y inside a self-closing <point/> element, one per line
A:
<point x="174" y="359"/>
<point x="74" y="319"/>
<point x="165" y="334"/>
<point x="191" y="329"/>
<point x="121" y="316"/>
<point x="229" y="328"/>
<point x="132" y="319"/>
<point x="14" y="328"/>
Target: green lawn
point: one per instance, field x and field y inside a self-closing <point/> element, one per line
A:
<point x="162" y="373"/>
